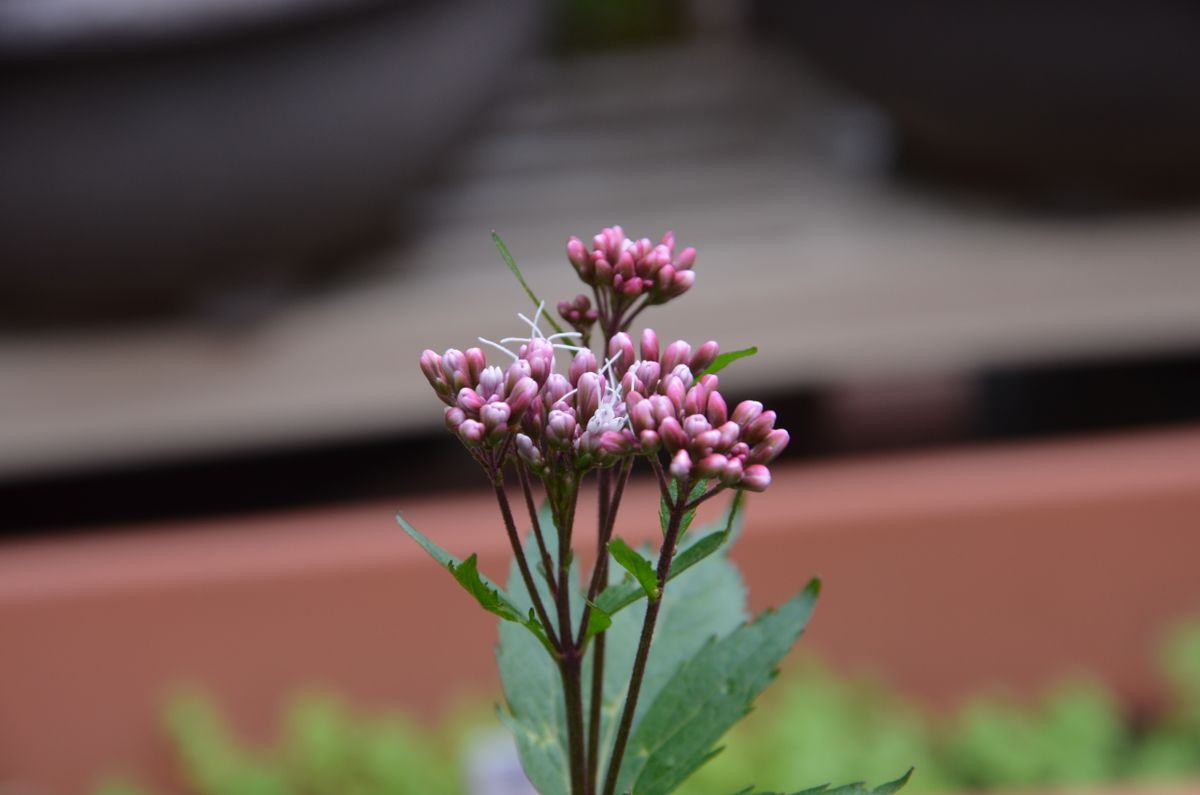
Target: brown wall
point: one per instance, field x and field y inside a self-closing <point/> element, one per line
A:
<point x="943" y="572"/>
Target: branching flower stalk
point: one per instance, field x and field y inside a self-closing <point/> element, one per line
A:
<point x="554" y="427"/>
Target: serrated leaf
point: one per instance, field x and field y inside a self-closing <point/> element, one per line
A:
<point x="725" y="359"/>
<point x="620" y="595"/>
<point x="516" y="271"/>
<point x="709" y="602"/>
<point x="707" y="695"/>
<point x="489" y="595"/>
<point x="641" y="569"/>
<point x="664" y="511"/>
<point x="857" y="788"/>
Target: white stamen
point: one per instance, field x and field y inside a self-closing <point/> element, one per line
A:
<point x="498" y="346"/>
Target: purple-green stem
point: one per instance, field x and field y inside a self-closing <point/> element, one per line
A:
<point x="665" y="555"/>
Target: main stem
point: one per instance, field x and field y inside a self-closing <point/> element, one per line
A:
<point x="665" y="556"/>
<point x="570" y="662"/>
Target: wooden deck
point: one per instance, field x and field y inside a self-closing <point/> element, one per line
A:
<point x="807" y="249"/>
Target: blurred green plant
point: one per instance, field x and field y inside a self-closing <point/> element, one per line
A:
<point x="820" y="727"/>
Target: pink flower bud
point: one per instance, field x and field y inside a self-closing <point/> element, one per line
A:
<point x="716" y="411"/>
<point x="491" y="382"/>
<point x="705" y="442"/>
<point x="663" y="407"/>
<point x="757" y="430"/>
<point x="664" y="278"/>
<point x="675" y="391"/>
<point x="454" y="367"/>
<point x="668" y="240"/>
<point x="556" y="386"/>
<point x="521" y="396"/>
<point x="696" y="400"/>
<point x="584" y="362"/>
<point x="431" y="366"/>
<point x="686" y="259"/>
<point x="681" y="465"/>
<point x="476" y="362"/>
<point x="732" y="473"/>
<point x="560" y="426"/>
<point x="705" y="355"/>
<point x="677" y="353"/>
<point x="621" y="344"/>
<point x="756" y="478"/>
<point x="604" y="273"/>
<point x="470" y="401"/>
<point x="576" y="253"/>
<point x="540" y="355"/>
<point x="729" y="433"/>
<point x="471" y="431"/>
<point x="672" y="435"/>
<point x="527" y="451"/>
<point x="649" y="345"/>
<point x="649" y="441"/>
<point x="614" y="443"/>
<point x="682" y="283"/>
<point x="747" y="412"/>
<point x="695" y="424"/>
<point x="587" y="398"/>
<point x="495" y="416"/>
<point x="767" y="450"/>
<point x="711" y="465"/>
<point x="633" y="287"/>
<point x="454" y="417"/>
<point x="642" y="417"/>
<point x="515" y="372"/>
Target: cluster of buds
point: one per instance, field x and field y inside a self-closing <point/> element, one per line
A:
<point x="484" y="405"/>
<point x="632" y="268"/>
<point x="580" y="314"/>
<point x="686" y="416"/>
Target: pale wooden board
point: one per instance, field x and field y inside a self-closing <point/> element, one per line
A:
<point x="834" y="271"/>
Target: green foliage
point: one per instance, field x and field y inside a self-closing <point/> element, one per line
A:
<point x="622" y="594"/>
<point x="1075" y="737"/>
<point x="632" y="561"/>
<point x="725" y="359"/>
<point x="323" y="750"/>
<point x="821" y="727"/>
<point x="707" y="695"/>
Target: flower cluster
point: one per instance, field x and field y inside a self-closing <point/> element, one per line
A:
<point x="594" y="415"/>
<point x="621" y="271"/>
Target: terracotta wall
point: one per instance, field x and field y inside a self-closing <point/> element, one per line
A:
<point x="943" y="572"/>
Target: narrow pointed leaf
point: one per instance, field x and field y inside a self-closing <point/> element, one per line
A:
<point x="516" y="271"/>
<point x="620" y="595"/>
<point x="725" y="359"/>
<point x="466" y="572"/>
<point x="858" y="788"/>
<point x="641" y="569"/>
<point x="707" y="695"/>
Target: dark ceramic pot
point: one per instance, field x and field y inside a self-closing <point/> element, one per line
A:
<point x="1097" y="94"/>
<point x="152" y="170"/>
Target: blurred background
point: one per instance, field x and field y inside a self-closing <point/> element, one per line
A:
<point x="965" y="240"/>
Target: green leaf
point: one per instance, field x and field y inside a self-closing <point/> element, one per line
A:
<point x="620" y="595"/>
<point x="512" y="266"/>
<point x="599" y="620"/>
<point x="709" y="602"/>
<point x="707" y="695"/>
<point x="487" y="593"/>
<point x="641" y="569"/>
<point x="726" y="359"/>
<point x="857" y="788"/>
<point x="664" y="510"/>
